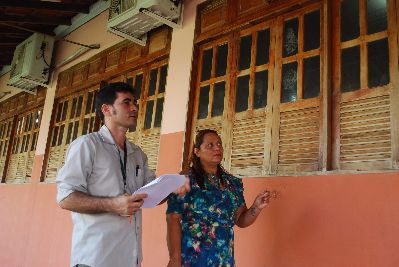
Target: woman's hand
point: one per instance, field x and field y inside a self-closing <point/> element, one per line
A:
<point x="244" y="217"/>
<point x="262" y="200"/>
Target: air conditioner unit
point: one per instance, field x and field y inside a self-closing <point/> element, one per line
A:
<point x="132" y="19"/>
<point x="30" y="66"/>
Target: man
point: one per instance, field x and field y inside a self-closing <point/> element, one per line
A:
<point x="101" y="172"/>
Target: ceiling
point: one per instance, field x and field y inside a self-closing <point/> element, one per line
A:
<point x="20" y="18"/>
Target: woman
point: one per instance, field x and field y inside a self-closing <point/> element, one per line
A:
<point x="200" y="224"/>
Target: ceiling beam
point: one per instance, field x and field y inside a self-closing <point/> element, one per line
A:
<point x="35" y="20"/>
<point x="5" y="60"/>
<point x="9" y="44"/>
<point x="14" y="30"/>
<point x="5" y="51"/>
<point x="14" y="34"/>
<point x="5" y="36"/>
<point x="7" y="55"/>
<point x="7" y="30"/>
<point x="12" y="39"/>
<point x="26" y="30"/>
<point x="43" y="5"/>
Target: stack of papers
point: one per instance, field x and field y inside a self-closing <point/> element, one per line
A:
<point x="160" y="188"/>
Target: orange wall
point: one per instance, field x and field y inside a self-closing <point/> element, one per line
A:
<point x="34" y="231"/>
<point x="332" y="220"/>
<point x="321" y="220"/>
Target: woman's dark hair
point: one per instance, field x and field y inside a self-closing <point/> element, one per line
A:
<point x="107" y="95"/>
<point x="198" y="171"/>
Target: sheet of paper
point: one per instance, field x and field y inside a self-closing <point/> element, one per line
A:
<point x="160" y="188"/>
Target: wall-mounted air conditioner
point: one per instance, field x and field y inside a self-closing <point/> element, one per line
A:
<point x="30" y="66"/>
<point x="132" y="19"/>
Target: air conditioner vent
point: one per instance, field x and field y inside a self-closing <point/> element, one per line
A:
<point x="30" y="65"/>
<point x="133" y="19"/>
<point x="118" y="7"/>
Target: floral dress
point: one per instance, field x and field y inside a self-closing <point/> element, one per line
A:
<point x="207" y="221"/>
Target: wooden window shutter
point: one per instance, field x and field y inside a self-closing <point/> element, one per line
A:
<point x="6" y="128"/>
<point x="276" y="95"/>
<point x="24" y="145"/>
<point x="365" y="86"/>
<point x="151" y="109"/>
<point x="251" y="129"/>
<point x="137" y="80"/>
<point x="348" y="45"/>
<point x="298" y="118"/>
<point x="212" y="92"/>
<point x="74" y="116"/>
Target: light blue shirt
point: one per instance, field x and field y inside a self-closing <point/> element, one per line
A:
<point x="92" y="166"/>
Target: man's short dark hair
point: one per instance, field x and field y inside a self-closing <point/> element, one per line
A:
<point x="107" y="95"/>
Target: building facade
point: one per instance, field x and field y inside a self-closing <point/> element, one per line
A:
<point x="304" y="94"/>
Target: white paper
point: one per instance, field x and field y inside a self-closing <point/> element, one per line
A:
<point x="160" y="188"/>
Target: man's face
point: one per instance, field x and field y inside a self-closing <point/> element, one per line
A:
<point x="124" y="111"/>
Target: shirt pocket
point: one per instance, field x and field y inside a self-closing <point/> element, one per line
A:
<point x="140" y="177"/>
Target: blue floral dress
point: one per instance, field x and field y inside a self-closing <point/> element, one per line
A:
<point x="207" y="221"/>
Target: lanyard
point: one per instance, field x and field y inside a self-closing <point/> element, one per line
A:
<point x="123" y="165"/>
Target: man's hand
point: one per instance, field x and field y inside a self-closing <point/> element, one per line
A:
<point x="182" y="190"/>
<point x="127" y="205"/>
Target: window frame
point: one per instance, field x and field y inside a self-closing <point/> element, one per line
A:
<point x="23" y="148"/>
<point x="6" y="138"/>
<point x="329" y="73"/>
<point x="55" y="152"/>
<point x="390" y="90"/>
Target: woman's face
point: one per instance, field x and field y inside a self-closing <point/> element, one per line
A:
<point x="211" y="150"/>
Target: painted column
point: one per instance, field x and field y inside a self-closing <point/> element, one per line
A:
<point x="177" y="92"/>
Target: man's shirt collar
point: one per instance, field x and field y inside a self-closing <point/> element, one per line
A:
<point x="107" y="138"/>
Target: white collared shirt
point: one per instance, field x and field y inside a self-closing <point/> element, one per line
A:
<point x="92" y="166"/>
